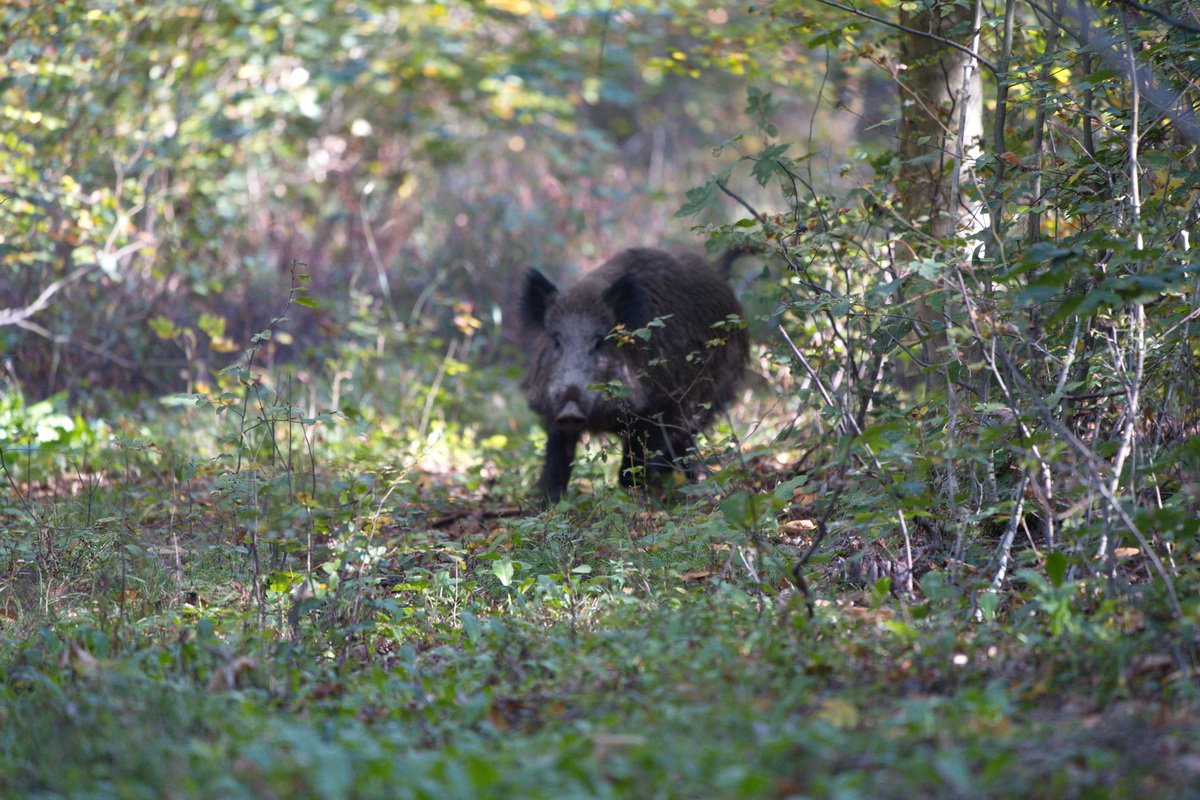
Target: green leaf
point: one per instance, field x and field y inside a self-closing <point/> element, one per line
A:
<point x="785" y="491"/>
<point x="503" y="570"/>
<point x="739" y="511"/>
<point x="876" y="436"/>
<point x="881" y="591"/>
<point x="928" y="268"/>
<point x="1102" y="76"/>
<point x="988" y="603"/>
<point x="1040" y="253"/>
<point x="698" y="199"/>
<point x="768" y="163"/>
<point x="471" y="626"/>
<point x="936" y="587"/>
<point x="1056" y="568"/>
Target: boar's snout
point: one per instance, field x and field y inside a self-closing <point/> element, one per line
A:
<point x="570" y="417"/>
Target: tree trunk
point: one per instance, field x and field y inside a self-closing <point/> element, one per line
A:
<point x="941" y="98"/>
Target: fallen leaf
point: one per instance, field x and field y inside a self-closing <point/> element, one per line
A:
<point x="78" y="659"/>
<point x="869" y="614"/>
<point x="228" y="676"/>
<point x="796" y="526"/>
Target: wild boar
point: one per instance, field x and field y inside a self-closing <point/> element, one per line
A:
<point x="589" y="372"/>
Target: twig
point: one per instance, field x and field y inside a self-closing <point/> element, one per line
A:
<point x="1167" y="18"/>
<point x="746" y="205"/>
<point x="1095" y="479"/>
<point x="1004" y="551"/>
<point x="783" y="249"/>
<point x="15" y="316"/>
<point x="914" y="32"/>
<point x="822" y="532"/>
<point x="847" y="417"/>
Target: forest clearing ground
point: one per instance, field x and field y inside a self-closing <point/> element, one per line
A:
<point x="446" y="645"/>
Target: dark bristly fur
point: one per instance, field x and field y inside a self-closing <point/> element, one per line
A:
<point x="674" y="384"/>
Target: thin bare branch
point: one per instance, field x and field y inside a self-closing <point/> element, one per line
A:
<point x="923" y="34"/>
<point x="742" y="202"/>
<point x="15" y="316"/>
<point x="1175" y="22"/>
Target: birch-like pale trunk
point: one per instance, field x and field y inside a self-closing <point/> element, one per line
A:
<point x="941" y="127"/>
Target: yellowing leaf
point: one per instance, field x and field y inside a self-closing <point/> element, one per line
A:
<point x="838" y="713"/>
<point x="518" y="7"/>
<point x="163" y="328"/>
<point x="212" y="324"/>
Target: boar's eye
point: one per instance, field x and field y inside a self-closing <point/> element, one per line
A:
<point x="598" y="343"/>
<point x="555" y="341"/>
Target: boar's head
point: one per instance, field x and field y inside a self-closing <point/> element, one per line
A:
<point x="574" y="351"/>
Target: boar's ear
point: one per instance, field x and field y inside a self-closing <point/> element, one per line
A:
<point x="628" y="302"/>
<point x="536" y="297"/>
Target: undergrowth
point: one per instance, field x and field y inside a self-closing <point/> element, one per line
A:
<point x="311" y="612"/>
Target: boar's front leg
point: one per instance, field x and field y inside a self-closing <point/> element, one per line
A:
<point x="560" y="453"/>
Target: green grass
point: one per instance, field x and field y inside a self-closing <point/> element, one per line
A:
<point x="618" y="647"/>
<point x="584" y="690"/>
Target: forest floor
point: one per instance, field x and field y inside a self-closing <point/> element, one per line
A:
<point x="259" y="628"/>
